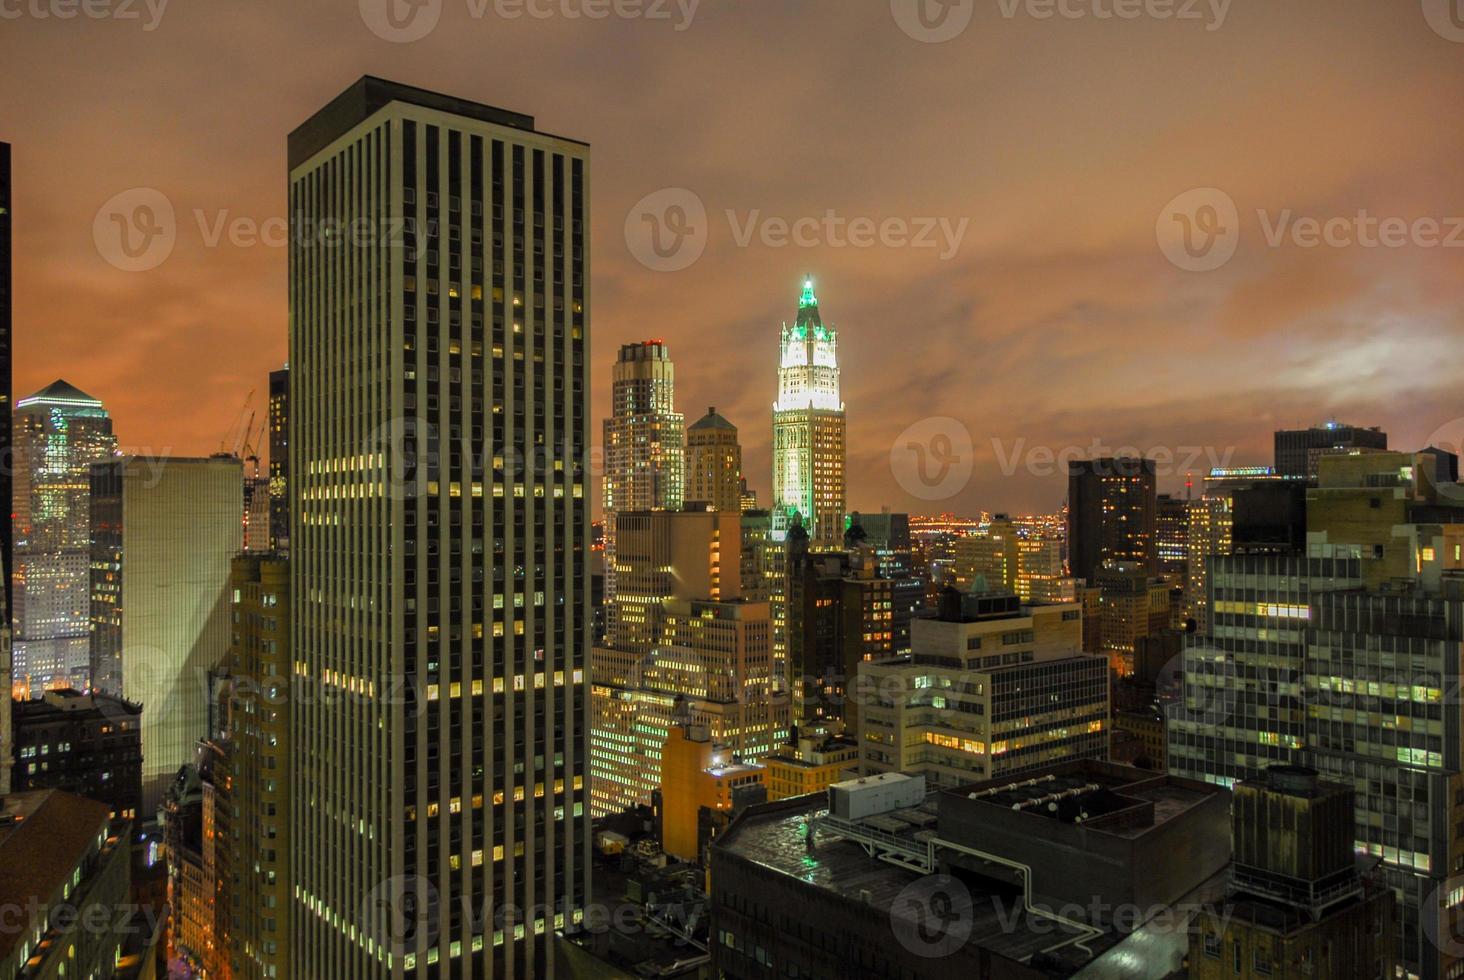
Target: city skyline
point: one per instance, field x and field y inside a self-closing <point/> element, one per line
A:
<point x="1366" y="87"/>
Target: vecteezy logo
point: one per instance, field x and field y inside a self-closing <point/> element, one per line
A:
<point x="1446" y="17"/>
<point x="136" y="230"/>
<point x="667" y="231"/>
<point x="401" y="21"/>
<point x="1199" y="230"/>
<point x="401" y="912"/>
<point x="931" y="916"/>
<point x="933" y="21"/>
<point x="1450" y="438"/>
<point x="933" y="458"/>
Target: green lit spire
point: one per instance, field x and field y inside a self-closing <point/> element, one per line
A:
<point x="808" y="299"/>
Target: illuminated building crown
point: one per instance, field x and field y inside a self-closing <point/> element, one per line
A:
<point x="808" y="366"/>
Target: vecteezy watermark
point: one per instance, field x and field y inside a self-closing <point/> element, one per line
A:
<point x="1450" y="438"/>
<point x="937" y="21"/>
<point x="669" y="229"/>
<point x="401" y="912"/>
<point x="405" y="21"/>
<point x="1446" y="17"/>
<point x="1046" y="461"/>
<point x="1199" y="231"/>
<point x="933" y="459"/>
<point x="932" y="916"/>
<point x="136" y="229"/>
<point x="148" y="12"/>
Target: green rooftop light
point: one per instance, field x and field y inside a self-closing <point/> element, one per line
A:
<point x="808" y="299"/>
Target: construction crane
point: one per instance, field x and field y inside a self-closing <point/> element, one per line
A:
<point x="235" y="436"/>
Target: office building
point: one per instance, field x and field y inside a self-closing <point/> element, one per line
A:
<point x="197" y="822"/>
<point x="1083" y="869"/>
<point x="279" y="460"/>
<point x="85" y="743"/>
<point x="645" y="443"/>
<point x="685" y="644"/>
<point x="714" y="464"/>
<point x="438" y="436"/>
<point x="991" y="556"/>
<point x="991" y="688"/>
<point x="808" y="428"/>
<point x="1132" y="605"/>
<point x="256" y="515"/>
<point x="256" y="896"/>
<point x="65" y="881"/>
<point x="7" y="304"/>
<point x="1298" y="451"/>
<point x="164" y="531"/>
<point x="1111" y="514"/>
<point x="1171" y="537"/>
<point x="1299" y="904"/>
<point x="59" y="432"/>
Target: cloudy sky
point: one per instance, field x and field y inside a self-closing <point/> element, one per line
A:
<point x="1062" y="306"/>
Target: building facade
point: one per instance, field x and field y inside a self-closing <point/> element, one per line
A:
<point x="645" y="442"/>
<point x="164" y="531"/>
<point x="279" y="460"/>
<point x="1299" y="451"/>
<point x="714" y="463"/>
<point x="809" y="428"/>
<point x="89" y="744"/>
<point x="1111" y="514"/>
<point x="59" y="432"/>
<point x="439" y="533"/>
<point x="991" y="689"/>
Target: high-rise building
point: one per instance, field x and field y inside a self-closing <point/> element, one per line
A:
<point x="164" y="531"/>
<point x="257" y="896"/>
<point x="685" y="644"/>
<point x="1111" y="514"/>
<point x="698" y="774"/>
<point x="645" y="444"/>
<point x="89" y="744"/>
<point x="714" y="463"/>
<point x="279" y="460"/>
<point x="256" y="514"/>
<point x="1041" y="576"/>
<point x="1171" y="537"/>
<point x="992" y="556"/>
<point x="1132" y="605"/>
<point x="991" y="689"/>
<point x="439" y="579"/>
<point x="808" y="428"/>
<point x="59" y="432"/>
<point x="1298" y="450"/>
<point x="7" y="300"/>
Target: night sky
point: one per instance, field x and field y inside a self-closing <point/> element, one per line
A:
<point x="1056" y="143"/>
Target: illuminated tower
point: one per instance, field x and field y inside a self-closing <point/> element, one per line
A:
<point x="714" y="463"/>
<point x="645" y="440"/>
<point x="59" y="432"/>
<point x="808" y="428"/>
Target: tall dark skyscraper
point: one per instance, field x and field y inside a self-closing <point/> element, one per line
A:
<point x="1297" y="450"/>
<point x="7" y="438"/>
<point x="279" y="459"/>
<point x="439" y="537"/>
<point x="1111" y="514"/>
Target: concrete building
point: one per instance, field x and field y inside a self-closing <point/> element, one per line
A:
<point x="1299" y="451"/>
<point x="59" y="432"/>
<point x="439" y="438"/>
<point x="645" y="443"/>
<point x="1133" y="604"/>
<point x="89" y="744"/>
<point x="714" y="464"/>
<point x="809" y="428"/>
<point x="1086" y="869"/>
<point x="256" y="895"/>
<point x="65" y="879"/>
<point x="164" y="531"/>
<point x="993" y="556"/>
<point x="1111" y="514"/>
<point x="197" y="820"/>
<point x="992" y="688"/>
<point x="810" y="764"/>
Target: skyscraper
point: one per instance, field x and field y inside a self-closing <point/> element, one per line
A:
<point x="7" y="443"/>
<point x="279" y="460"/>
<point x="439" y="534"/>
<point x="1111" y="514"/>
<point x="714" y="463"/>
<point x="808" y="428"/>
<point x="644" y="441"/>
<point x="59" y="432"/>
<point x="164" y="531"/>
